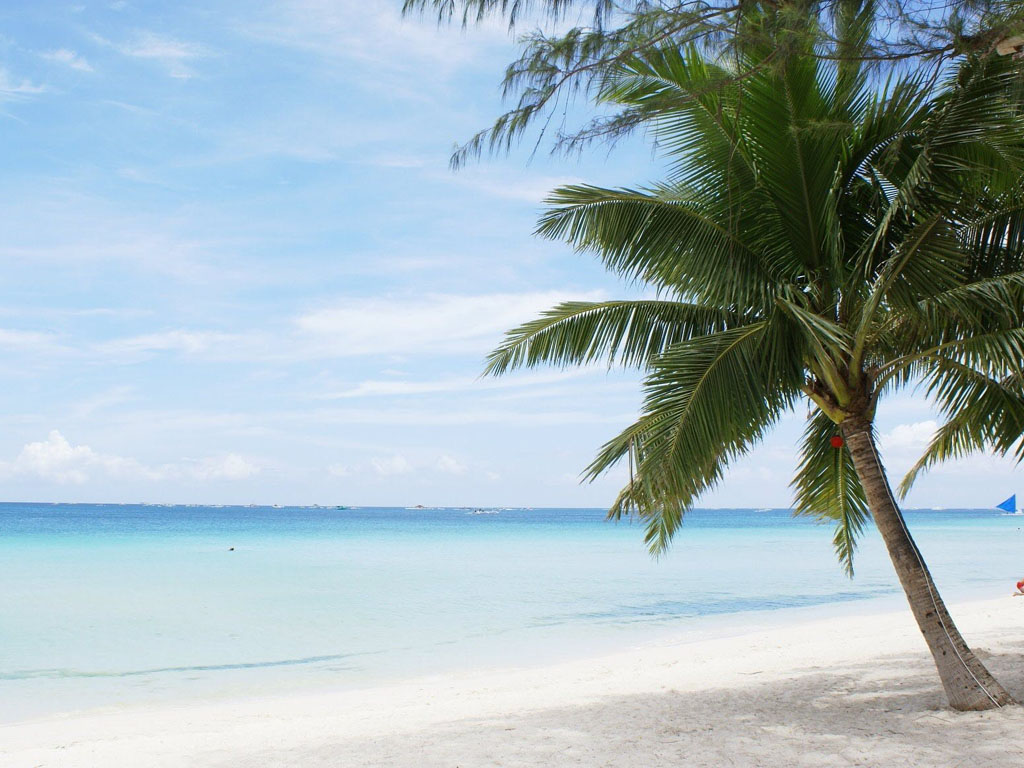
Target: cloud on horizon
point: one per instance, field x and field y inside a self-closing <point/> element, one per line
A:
<point x="57" y="460"/>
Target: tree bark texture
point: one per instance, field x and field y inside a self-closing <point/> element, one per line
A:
<point x="968" y="684"/>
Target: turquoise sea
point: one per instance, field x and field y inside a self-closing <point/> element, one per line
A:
<point x="105" y="605"/>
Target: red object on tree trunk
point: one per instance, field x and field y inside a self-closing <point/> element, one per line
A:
<point x="837" y="441"/>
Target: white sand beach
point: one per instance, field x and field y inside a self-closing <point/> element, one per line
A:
<point x="851" y="690"/>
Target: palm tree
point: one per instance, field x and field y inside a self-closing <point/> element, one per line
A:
<point x="585" y="38"/>
<point x="821" y="238"/>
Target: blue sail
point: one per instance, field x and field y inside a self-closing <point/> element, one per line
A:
<point x="1010" y="505"/>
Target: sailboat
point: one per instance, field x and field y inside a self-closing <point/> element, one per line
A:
<point x="1010" y="506"/>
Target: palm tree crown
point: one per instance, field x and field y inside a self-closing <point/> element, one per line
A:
<point x="820" y="236"/>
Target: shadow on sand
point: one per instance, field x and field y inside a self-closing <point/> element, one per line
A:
<point x="886" y="713"/>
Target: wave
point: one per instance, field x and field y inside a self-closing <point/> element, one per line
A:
<point x="672" y="610"/>
<point x="59" y="673"/>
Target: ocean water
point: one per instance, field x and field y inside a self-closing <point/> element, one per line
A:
<point x="105" y="605"/>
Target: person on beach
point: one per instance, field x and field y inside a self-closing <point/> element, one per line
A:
<point x="1020" y="589"/>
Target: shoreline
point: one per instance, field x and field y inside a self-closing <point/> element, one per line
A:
<point x="248" y="680"/>
<point x="741" y="688"/>
<point x="682" y="631"/>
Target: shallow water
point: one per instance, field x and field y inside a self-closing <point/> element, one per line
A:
<point x="109" y="604"/>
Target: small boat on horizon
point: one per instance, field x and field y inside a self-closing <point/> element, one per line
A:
<point x="1009" y="506"/>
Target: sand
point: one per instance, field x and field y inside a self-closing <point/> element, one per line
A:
<point x="841" y="691"/>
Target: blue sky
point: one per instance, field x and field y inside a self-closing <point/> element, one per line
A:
<point x="236" y="268"/>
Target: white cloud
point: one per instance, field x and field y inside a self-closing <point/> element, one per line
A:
<point x="134" y="109"/>
<point x="65" y="227"/>
<point x="148" y="45"/>
<point x="30" y="340"/>
<point x="373" y="34"/>
<point x="440" y="323"/>
<point x="521" y="186"/>
<point x="746" y="473"/>
<point x="174" y="55"/>
<point x="56" y="459"/>
<point x="401" y="388"/>
<point x="228" y="467"/>
<point x="397" y="464"/>
<point x="189" y="342"/>
<point x="11" y="89"/>
<point x="518" y="418"/>
<point x="108" y="399"/>
<point x="188" y="426"/>
<point x="397" y="161"/>
<point x="450" y="465"/>
<point x="909" y="438"/>
<point x="312" y="133"/>
<point x="69" y="58"/>
<point x="391" y="465"/>
<point x="393" y="388"/>
<point x="61" y="312"/>
<point x="904" y="444"/>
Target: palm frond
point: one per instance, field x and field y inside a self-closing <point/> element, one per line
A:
<point x="628" y="333"/>
<point x="661" y="237"/>
<point x="979" y="301"/>
<point x="826" y="486"/>
<point x="691" y="104"/>
<point x="708" y="400"/>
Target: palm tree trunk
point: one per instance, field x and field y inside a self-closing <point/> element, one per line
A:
<point x="968" y="685"/>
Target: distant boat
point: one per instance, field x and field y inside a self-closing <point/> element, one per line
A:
<point x="1010" y="506"/>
